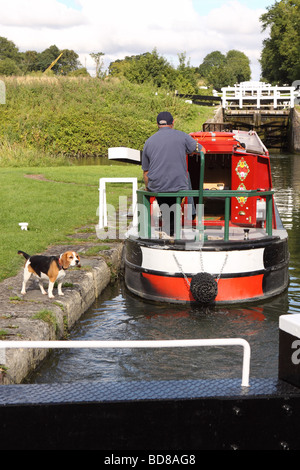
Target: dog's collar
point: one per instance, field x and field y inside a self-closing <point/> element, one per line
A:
<point x="60" y="264"/>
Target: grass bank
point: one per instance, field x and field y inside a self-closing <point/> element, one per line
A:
<point x="54" y="120"/>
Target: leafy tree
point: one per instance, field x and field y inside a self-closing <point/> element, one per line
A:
<point x="220" y="76"/>
<point x="119" y="68"/>
<point x="219" y="70"/>
<point x="13" y="62"/>
<point x="9" y="67"/>
<point x="281" y="50"/>
<point x="184" y="65"/>
<point x="147" y="67"/>
<point x="239" y="65"/>
<point x="68" y="62"/>
<point x="187" y="76"/>
<point x="80" y="72"/>
<point x="214" y="59"/>
<point x="46" y="58"/>
<point x="8" y="50"/>
<point x="152" y="68"/>
<point x="30" y="61"/>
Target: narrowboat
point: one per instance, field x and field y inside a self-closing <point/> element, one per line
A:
<point x="234" y="249"/>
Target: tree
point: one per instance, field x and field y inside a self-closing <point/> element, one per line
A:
<point x="68" y="62"/>
<point x="8" y="50"/>
<point x="147" y="67"/>
<point x="46" y="58"/>
<point x="120" y="67"/>
<point x="239" y="65"/>
<point x="214" y="59"/>
<point x="9" y="67"/>
<point x="29" y="61"/>
<point x="219" y="77"/>
<point x="220" y="70"/>
<point x="187" y="76"/>
<point x="281" y="50"/>
<point x="150" y="67"/>
<point x="14" y="62"/>
<point x="80" y="72"/>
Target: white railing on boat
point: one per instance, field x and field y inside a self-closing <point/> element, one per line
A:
<point x="257" y="95"/>
<point x="134" y="345"/>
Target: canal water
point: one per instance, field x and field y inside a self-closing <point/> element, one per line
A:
<point x="119" y="315"/>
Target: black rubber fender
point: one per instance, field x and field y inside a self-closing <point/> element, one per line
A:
<point x="204" y="288"/>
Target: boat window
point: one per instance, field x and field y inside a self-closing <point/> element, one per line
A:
<point x="217" y="175"/>
<point x="217" y="170"/>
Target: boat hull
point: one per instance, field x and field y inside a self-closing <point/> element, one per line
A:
<point x="243" y="272"/>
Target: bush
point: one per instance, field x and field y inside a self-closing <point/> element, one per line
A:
<point x="80" y="116"/>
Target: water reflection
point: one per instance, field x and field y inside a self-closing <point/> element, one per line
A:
<point x="286" y="181"/>
<point x="119" y="315"/>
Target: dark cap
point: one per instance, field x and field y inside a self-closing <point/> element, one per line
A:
<point x="165" y="119"/>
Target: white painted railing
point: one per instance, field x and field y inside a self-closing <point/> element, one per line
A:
<point x="136" y="344"/>
<point x="258" y="95"/>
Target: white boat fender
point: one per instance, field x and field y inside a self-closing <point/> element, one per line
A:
<point x="204" y="288"/>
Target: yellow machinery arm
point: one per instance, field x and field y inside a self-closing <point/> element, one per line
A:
<point x="54" y="62"/>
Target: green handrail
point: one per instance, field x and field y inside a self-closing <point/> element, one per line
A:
<point x="200" y="227"/>
<point x="201" y="177"/>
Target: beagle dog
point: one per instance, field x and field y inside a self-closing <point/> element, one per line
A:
<point x="48" y="267"/>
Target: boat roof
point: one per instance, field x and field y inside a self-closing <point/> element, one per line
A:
<point x="252" y="142"/>
<point x="228" y="141"/>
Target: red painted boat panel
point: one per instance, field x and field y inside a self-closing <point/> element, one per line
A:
<point x="229" y="289"/>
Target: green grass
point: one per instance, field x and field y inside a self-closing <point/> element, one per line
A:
<point x="53" y="210"/>
<point x="60" y="118"/>
<point x="18" y="155"/>
<point x="48" y="317"/>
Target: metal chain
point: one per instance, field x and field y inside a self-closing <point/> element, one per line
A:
<point x="180" y="267"/>
<point x="201" y="261"/>
<point x="222" y="268"/>
<point x="202" y="268"/>
<point x="225" y="260"/>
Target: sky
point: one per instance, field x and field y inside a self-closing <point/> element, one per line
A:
<point x="120" y="28"/>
